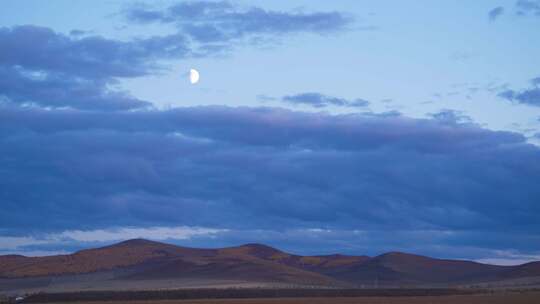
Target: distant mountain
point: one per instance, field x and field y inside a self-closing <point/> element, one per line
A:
<point x="397" y="268"/>
<point x="146" y="261"/>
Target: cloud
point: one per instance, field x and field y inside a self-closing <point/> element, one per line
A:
<point x="525" y="7"/>
<point x="249" y="169"/>
<point x="265" y="98"/>
<point x="222" y="21"/>
<point x="451" y="117"/>
<point x="495" y="13"/>
<point x="319" y="100"/>
<point x="530" y="96"/>
<point x="509" y="257"/>
<point x="9" y="243"/>
<point x="74" y="150"/>
<point x="57" y="91"/>
<point x="41" y="67"/>
<point x="49" y="243"/>
<point x="153" y="233"/>
<point x="40" y="49"/>
<point x="44" y="68"/>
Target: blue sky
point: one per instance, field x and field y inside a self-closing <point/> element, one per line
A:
<point x="317" y="126"/>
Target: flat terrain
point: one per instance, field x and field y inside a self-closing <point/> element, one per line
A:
<point x="499" y="298"/>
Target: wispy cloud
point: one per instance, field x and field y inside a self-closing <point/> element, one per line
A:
<point x="42" y="244"/>
<point x="495" y="13"/>
<point x="526" y="7"/>
<point x="509" y="257"/>
<point x="223" y="21"/>
<point x="319" y="100"/>
<point x="530" y="96"/>
<point x="153" y="233"/>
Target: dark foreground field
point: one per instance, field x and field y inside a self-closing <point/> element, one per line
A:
<point x="247" y="296"/>
<point x="497" y="298"/>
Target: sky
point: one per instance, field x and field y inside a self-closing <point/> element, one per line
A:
<point x="317" y="127"/>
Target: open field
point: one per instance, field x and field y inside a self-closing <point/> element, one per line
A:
<point x="497" y="298"/>
<point x="257" y="295"/>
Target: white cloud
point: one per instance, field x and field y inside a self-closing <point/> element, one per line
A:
<point x="507" y="258"/>
<point x="16" y="245"/>
<point x="153" y="233"/>
<point x="14" y="242"/>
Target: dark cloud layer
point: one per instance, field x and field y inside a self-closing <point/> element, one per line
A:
<point x="319" y="100"/>
<point x="250" y="169"/>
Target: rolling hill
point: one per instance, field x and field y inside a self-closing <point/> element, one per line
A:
<point x="142" y="263"/>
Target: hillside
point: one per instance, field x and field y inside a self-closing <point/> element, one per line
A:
<point x="148" y="261"/>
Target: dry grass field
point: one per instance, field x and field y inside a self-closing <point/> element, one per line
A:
<point x="497" y="298"/>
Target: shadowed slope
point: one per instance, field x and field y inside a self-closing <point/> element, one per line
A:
<point x="402" y="268"/>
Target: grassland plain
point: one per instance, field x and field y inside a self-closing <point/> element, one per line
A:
<point x="247" y="296"/>
<point x="494" y="298"/>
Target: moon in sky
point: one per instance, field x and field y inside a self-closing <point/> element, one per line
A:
<point x="193" y="76"/>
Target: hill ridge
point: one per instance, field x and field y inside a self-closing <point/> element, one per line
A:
<point x="144" y="259"/>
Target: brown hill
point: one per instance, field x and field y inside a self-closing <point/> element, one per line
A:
<point x="148" y="260"/>
<point x="398" y="268"/>
<point x="314" y="263"/>
<point x="128" y="253"/>
<point x="252" y="262"/>
<point x="154" y="260"/>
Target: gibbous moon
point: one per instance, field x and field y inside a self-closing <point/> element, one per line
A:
<point x="193" y="76"/>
